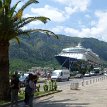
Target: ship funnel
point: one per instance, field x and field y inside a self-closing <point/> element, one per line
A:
<point x="79" y="45"/>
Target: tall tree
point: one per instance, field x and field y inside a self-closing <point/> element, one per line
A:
<point x="11" y="23"/>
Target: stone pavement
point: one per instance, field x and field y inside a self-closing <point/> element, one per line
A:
<point x="91" y="95"/>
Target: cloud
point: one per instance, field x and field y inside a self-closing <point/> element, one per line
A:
<point x="75" y="4"/>
<point x="54" y="14"/>
<point x="58" y="29"/>
<point x="58" y="15"/>
<point x="72" y="31"/>
<point x="98" y="30"/>
<point x="27" y="15"/>
<point x="70" y="10"/>
<point x="102" y="25"/>
<point x="24" y="28"/>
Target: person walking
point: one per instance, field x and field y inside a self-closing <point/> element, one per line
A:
<point x="26" y="100"/>
<point x="29" y="90"/>
<point x="15" y="86"/>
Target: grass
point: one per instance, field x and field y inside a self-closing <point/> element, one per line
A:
<point x="22" y="95"/>
<point x="3" y="102"/>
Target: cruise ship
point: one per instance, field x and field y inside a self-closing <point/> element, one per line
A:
<point x="77" y="55"/>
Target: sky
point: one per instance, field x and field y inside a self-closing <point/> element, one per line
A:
<point x="75" y="18"/>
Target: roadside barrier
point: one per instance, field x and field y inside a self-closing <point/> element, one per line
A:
<point x="92" y="80"/>
<point x="75" y="85"/>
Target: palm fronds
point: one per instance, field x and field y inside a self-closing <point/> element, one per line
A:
<point x="20" y="11"/>
<point x="11" y="21"/>
<point x="47" y="32"/>
<point x="26" y="21"/>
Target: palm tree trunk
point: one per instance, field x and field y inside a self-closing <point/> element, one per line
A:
<point x="4" y="70"/>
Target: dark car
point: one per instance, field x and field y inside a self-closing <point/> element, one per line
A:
<point x="78" y="76"/>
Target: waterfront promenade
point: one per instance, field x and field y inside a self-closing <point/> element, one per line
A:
<point x="91" y="95"/>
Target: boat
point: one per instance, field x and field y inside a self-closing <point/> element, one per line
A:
<point x="78" y="55"/>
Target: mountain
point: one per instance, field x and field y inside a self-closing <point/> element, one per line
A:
<point x="39" y="50"/>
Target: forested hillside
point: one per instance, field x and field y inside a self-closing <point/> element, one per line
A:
<point x="39" y="50"/>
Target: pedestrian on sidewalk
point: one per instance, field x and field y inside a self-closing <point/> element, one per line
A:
<point x="26" y="100"/>
<point x="29" y="90"/>
<point x="15" y="86"/>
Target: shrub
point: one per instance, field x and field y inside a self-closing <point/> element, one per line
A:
<point x="38" y="88"/>
<point x="45" y="86"/>
<point x="50" y="85"/>
<point x="55" y="86"/>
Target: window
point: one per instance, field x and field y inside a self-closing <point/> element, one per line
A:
<point x="61" y="74"/>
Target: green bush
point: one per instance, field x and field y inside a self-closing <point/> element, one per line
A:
<point x="38" y="88"/>
<point x="45" y="86"/>
<point x="55" y="86"/>
<point x="50" y="85"/>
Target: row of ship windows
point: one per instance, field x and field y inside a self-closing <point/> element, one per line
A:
<point x="95" y="58"/>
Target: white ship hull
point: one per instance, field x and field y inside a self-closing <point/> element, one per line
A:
<point x="77" y="54"/>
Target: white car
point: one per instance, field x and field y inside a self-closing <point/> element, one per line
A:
<point x="23" y="78"/>
<point x="87" y="74"/>
<point x="92" y="73"/>
<point x="105" y="74"/>
<point x="59" y="75"/>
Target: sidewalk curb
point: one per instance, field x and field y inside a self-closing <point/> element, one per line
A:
<point x="7" y="104"/>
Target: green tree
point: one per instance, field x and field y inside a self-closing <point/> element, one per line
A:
<point x="82" y="67"/>
<point x="11" y="23"/>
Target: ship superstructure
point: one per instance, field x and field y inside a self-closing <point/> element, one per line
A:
<point x="69" y="56"/>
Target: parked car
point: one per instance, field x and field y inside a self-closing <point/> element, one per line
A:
<point x="87" y="75"/>
<point x="105" y="74"/>
<point x="78" y="76"/>
<point x="92" y="73"/>
<point x="23" y="79"/>
<point x="61" y="74"/>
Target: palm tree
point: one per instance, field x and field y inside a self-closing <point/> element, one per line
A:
<point x="11" y="23"/>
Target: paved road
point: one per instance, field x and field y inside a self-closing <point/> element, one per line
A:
<point x="60" y="84"/>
